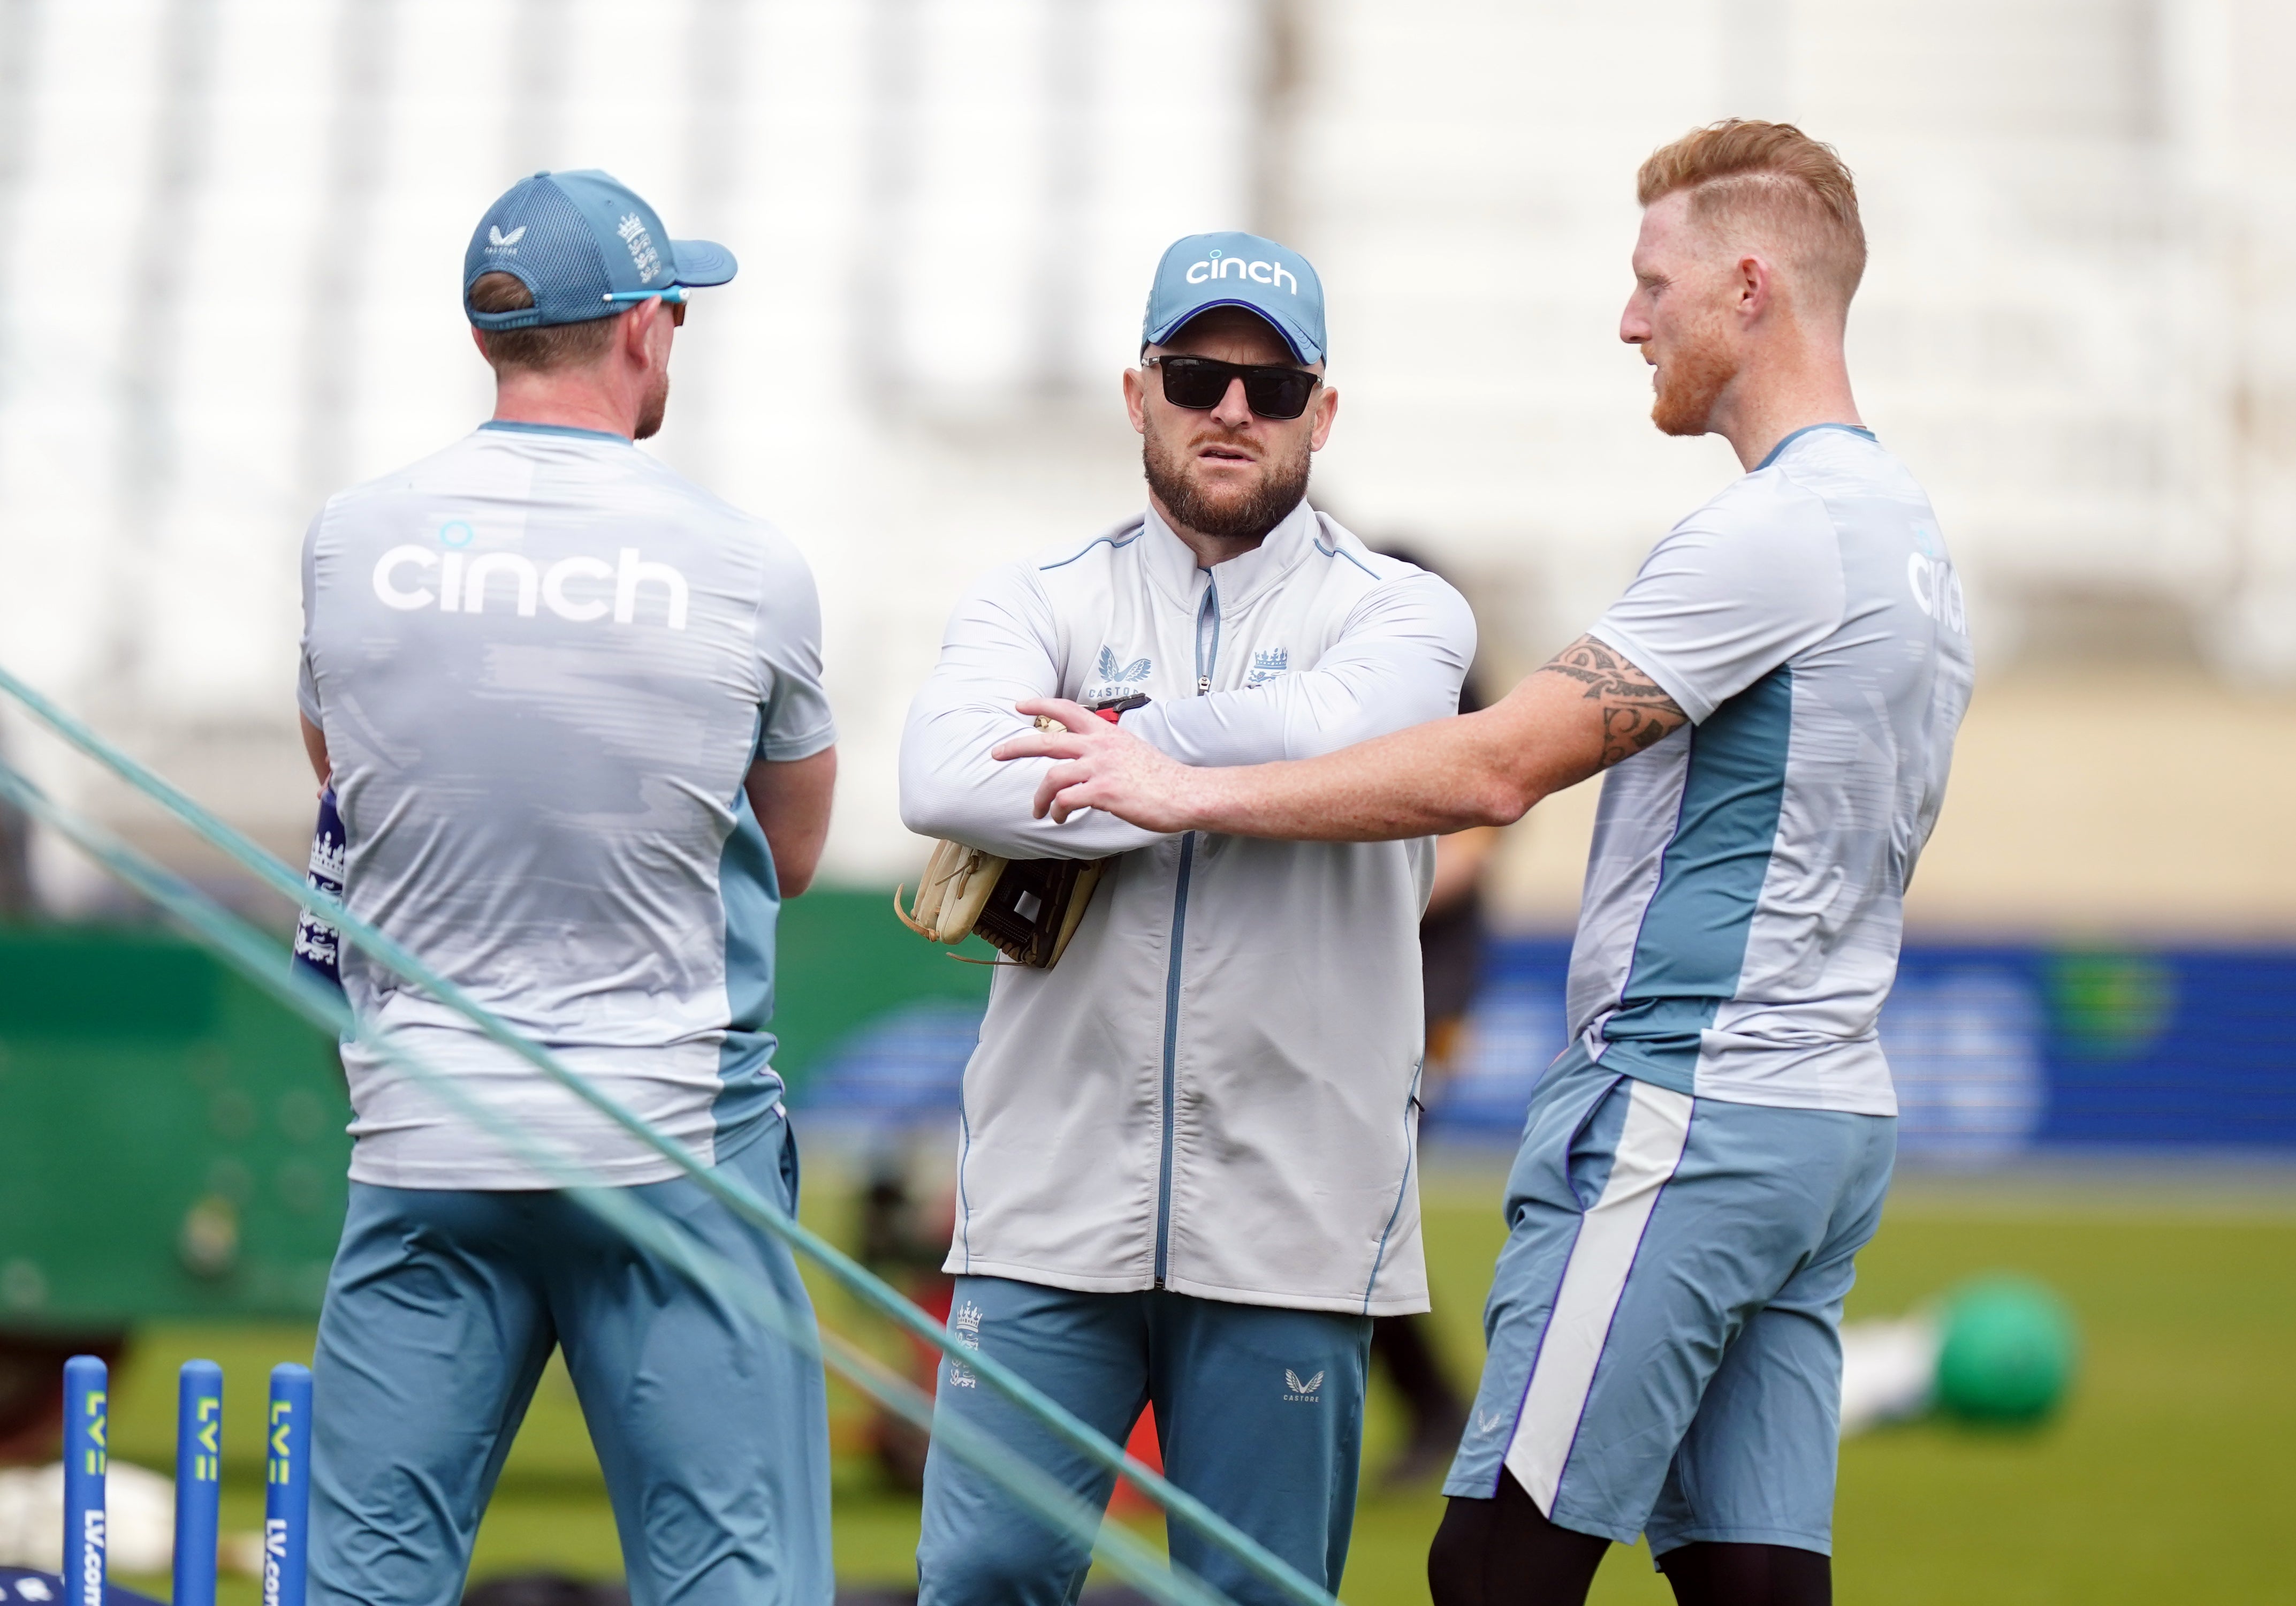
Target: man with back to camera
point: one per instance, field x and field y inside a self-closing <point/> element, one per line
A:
<point x="1779" y="690"/>
<point x="1186" y="1176"/>
<point x="571" y="707"/>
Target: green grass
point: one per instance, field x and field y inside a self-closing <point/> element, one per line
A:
<point x="2162" y="1480"/>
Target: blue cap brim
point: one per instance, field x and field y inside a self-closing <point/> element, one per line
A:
<point x="1302" y="348"/>
<point x="702" y="262"/>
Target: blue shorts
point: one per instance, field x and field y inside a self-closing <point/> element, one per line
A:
<point x="1664" y="1356"/>
<point x="442" y="1308"/>
<point x="1259" y="1410"/>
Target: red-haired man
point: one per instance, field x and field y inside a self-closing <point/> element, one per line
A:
<point x="1778" y="692"/>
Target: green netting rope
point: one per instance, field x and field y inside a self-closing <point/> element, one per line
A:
<point x="738" y="1196"/>
<point x="263" y="962"/>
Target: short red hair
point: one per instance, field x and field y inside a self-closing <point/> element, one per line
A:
<point x="1773" y="180"/>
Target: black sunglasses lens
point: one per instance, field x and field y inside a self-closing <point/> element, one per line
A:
<point x="1200" y="382"/>
<point x="1281" y="394"/>
<point x="1194" y="382"/>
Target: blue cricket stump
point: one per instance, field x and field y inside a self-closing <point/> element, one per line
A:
<point x="199" y="1481"/>
<point x="287" y="1487"/>
<point x="86" y="1456"/>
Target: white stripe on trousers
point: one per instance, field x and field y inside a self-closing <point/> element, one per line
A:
<point x="1649" y="1147"/>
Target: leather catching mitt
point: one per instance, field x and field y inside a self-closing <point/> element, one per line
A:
<point x="1025" y="908"/>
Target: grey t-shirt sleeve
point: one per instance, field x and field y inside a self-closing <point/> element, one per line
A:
<point x="1730" y="593"/>
<point x="1397" y="662"/>
<point x="796" y="721"/>
<point x="306" y="681"/>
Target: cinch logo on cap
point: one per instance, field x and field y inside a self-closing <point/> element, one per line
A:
<point x="1235" y="270"/>
<point x="1217" y="267"/>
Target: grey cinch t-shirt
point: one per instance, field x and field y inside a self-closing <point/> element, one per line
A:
<point x="544" y="664"/>
<point x="1743" y="904"/>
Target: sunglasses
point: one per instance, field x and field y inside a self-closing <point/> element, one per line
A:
<point x="674" y="298"/>
<point x="1198" y="382"/>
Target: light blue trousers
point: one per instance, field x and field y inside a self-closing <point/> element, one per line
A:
<point x="443" y="1307"/>
<point x="1259" y="1412"/>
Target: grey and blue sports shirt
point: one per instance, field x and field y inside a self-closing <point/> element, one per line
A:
<point x="544" y="664"/>
<point x="1743" y="904"/>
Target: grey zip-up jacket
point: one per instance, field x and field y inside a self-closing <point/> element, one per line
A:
<point x="1215" y="1090"/>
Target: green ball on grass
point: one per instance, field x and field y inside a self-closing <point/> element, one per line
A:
<point x="2009" y="1352"/>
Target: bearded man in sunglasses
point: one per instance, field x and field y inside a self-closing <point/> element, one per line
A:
<point x="1187" y="1179"/>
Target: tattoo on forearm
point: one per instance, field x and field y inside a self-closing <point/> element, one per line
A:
<point x="1635" y="709"/>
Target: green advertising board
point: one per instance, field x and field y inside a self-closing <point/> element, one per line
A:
<point x="174" y="1138"/>
<point x="177" y="1138"/>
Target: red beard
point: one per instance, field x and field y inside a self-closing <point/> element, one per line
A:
<point x="1691" y="380"/>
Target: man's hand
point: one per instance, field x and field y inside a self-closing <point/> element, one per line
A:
<point x="314" y="746"/>
<point x="1102" y="767"/>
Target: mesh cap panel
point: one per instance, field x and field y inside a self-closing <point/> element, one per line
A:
<point x="536" y="234"/>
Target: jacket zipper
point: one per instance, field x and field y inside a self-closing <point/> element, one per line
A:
<point x="1208" y="634"/>
<point x="1207" y="624"/>
<point x="1171" y="1051"/>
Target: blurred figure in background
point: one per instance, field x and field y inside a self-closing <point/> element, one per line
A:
<point x="1453" y="934"/>
<point x="904" y="1240"/>
<point x="1453" y="937"/>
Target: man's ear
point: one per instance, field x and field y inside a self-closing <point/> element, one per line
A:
<point x="1327" y="409"/>
<point x="1756" y="284"/>
<point x="1136" y="400"/>
<point x="634" y="332"/>
<point x="479" y="339"/>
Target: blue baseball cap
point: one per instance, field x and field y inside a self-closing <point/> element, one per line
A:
<point x="1233" y="269"/>
<point x="587" y="247"/>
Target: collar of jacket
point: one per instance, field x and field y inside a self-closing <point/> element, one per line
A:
<point x="1172" y="567"/>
